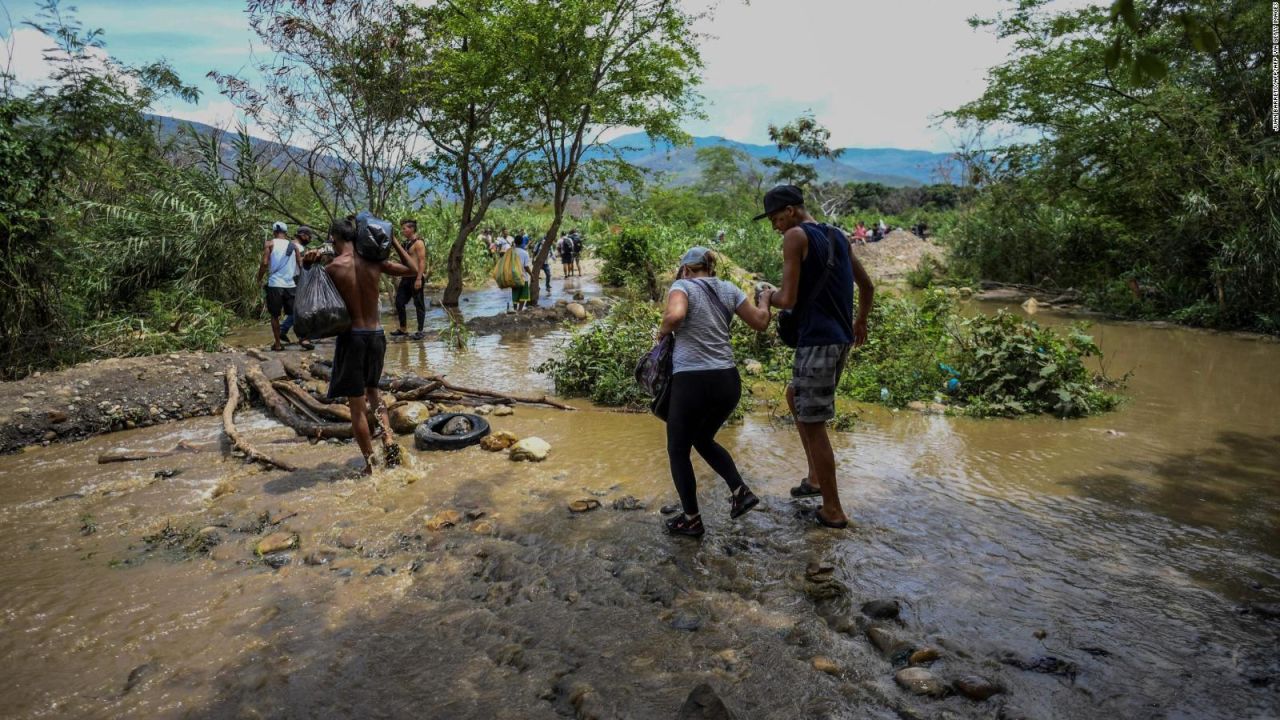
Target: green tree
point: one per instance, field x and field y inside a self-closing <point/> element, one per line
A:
<point x="466" y="68"/>
<point x="803" y="137"/>
<point x="729" y="181"/>
<point x="1156" y="190"/>
<point x="591" y="66"/>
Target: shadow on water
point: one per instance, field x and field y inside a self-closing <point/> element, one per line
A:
<point x="1228" y="486"/>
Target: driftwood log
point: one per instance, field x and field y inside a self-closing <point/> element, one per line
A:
<point x="229" y="425"/>
<point x="183" y="446"/>
<point x="285" y="414"/>
<point x="335" y="411"/>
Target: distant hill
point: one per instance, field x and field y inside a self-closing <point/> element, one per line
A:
<point x="890" y="166"/>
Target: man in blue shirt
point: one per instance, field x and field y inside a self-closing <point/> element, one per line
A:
<point x="822" y="300"/>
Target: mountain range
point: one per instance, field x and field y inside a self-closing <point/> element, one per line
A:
<point x="676" y="166"/>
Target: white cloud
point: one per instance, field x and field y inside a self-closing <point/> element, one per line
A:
<point x="30" y="56"/>
<point x="874" y="73"/>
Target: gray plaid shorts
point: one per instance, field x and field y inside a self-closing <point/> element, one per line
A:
<point x="814" y="377"/>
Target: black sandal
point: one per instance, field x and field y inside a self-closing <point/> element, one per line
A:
<point x="680" y="525"/>
<point x="742" y="503"/>
<point x="804" y="490"/>
<point x="827" y="523"/>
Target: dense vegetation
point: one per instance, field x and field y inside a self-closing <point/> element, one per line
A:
<point x="1150" y="181"/>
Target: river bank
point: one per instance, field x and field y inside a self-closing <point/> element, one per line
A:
<point x="1120" y="565"/>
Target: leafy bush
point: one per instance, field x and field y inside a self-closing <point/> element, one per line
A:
<point x="636" y="257"/>
<point x="1010" y="366"/>
<point x="600" y="360"/>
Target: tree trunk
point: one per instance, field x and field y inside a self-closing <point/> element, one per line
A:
<point x="457" y="251"/>
<point x="545" y="250"/>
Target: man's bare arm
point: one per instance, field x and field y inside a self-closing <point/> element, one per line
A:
<point x="866" y="297"/>
<point x="794" y="244"/>
<point x="266" y="262"/>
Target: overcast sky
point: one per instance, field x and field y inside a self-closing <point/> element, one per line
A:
<point x="875" y="73"/>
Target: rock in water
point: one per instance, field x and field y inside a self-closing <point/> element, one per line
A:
<point x="924" y="655"/>
<point x="920" y="682"/>
<point x="976" y="687"/>
<point x="533" y="449"/>
<point x="406" y="418"/>
<point x="881" y="609"/>
<point x="444" y="519"/>
<point x="1032" y="306"/>
<point x="456" y="426"/>
<point x="577" y="311"/>
<point x="275" y="542"/>
<point x="581" y="506"/>
<point x="503" y="411"/>
<point x="825" y="664"/>
<point x="704" y="704"/>
<point x="484" y="409"/>
<point x="579" y="296"/>
<point x="500" y="440"/>
<point x="627" y="502"/>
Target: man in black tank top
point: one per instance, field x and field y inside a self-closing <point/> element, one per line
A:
<point x="822" y="297"/>
<point x="410" y="288"/>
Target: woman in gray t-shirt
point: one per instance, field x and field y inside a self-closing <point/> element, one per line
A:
<point x="705" y="386"/>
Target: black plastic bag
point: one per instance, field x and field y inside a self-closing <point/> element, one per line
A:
<point x="373" y="237"/>
<point x="318" y="308"/>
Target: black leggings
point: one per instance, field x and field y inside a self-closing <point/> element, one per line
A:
<point x="405" y="292"/>
<point x="701" y="401"/>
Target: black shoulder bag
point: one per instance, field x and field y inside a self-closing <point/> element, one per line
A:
<point x="789" y="320"/>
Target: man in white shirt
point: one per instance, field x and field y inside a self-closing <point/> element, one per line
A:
<point x="279" y="256"/>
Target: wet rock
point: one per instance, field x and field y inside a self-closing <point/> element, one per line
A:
<point x="276" y="542"/>
<point x="503" y="411"/>
<point x="69" y="496"/>
<point x="669" y="509"/>
<point x="444" y="519"/>
<point x="581" y="506"/>
<point x="627" y="502"/>
<point x="57" y="416"/>
<point x="165" y="474"/>
<point x="931" y="408"/>
<point x="348" y="540"/>
<point x="49" y="436"/>
<point x="484" y="527"/>
<point x="923" y="656"/>
<point x="704" y="704"/>
<point x="1046" y="664"/>
<point x="753" y="367"/>
<point x="497" y="441"/>
<point x="825" y="664"/>
<point x="727" y="659"/>
<point x="919" y="681"/>
<point x="577" y="311"/>
<point x="533" y="449"/>
<point x="320" y="557"/>
<point x="687" y="623"/>
<point x="343" y="572"/>
<point x="579" y="296"/>
<point x="278" y="560"/>
<point x="483" y="409"/>
<point x="1264" y="609"/>
<point x="976" y="687"/>
<point x="1040" y="634"/>
<point x="381" y="571"/>
<point x="456" y="426"/>
<point x="137" y="676"/>
<point x="881" y="609"/>
<point x="406" y="418"/>
<point x="1031" y="306"/>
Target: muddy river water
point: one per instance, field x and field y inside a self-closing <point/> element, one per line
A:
<point x="1093" y="568"/>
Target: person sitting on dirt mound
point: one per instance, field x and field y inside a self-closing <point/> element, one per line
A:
<point x="358" y="354"/>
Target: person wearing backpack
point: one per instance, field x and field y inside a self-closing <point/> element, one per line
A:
<point x="705" y="386"/>
<point x="566" y="255"/>
<point x="819" y="272"/>
<point x="577" y="251"/>
<point x="280" y="267"/>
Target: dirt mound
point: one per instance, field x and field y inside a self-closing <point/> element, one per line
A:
<point x="897" y="254"/>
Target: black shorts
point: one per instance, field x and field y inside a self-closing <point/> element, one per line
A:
<point x="280" y="299"/>
<point x="357" y="362"/>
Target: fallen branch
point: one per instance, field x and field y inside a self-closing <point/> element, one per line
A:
<point x="136" y="455"/>
<point x="522" y="399"/>
<point x="284" y="413"/>
<point x="420" y="393"/>
<point x="229" y="425"/>
<point x="295" y="369"/>
<point x="333" y="412"/>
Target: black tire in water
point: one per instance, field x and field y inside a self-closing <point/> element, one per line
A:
<point x="428" y="436"/>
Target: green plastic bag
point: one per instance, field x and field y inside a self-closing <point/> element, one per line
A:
<point x="507" y="272"/>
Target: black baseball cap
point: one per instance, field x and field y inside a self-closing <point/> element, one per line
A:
<point x="780" y="197"/>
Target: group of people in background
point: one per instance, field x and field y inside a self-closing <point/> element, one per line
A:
<point x="861" y="235"/>
<point x="569" y="248"/>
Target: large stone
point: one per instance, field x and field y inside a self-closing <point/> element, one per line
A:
<point x="483" y="409"/>
<point x="503" y="411"/>
<point x="405" y="418"/>
<point x="456" y="426"/>
<point x="976" y="687"/>
<point x="533" y="449"/>
<point x="882" y="639"/>
<point x="444" y="519"/>
<point x="1032" y="306"/>
<point x="500" y="440"/>
<point x="825" y="664"/>
<point x="704" y="704"/>
<point x="275" y="542"/>
<point x="577" y="311"/>
<point x="920" y="682"/>
<point x="881" y="609"/>
<point x="924" y="655"/>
